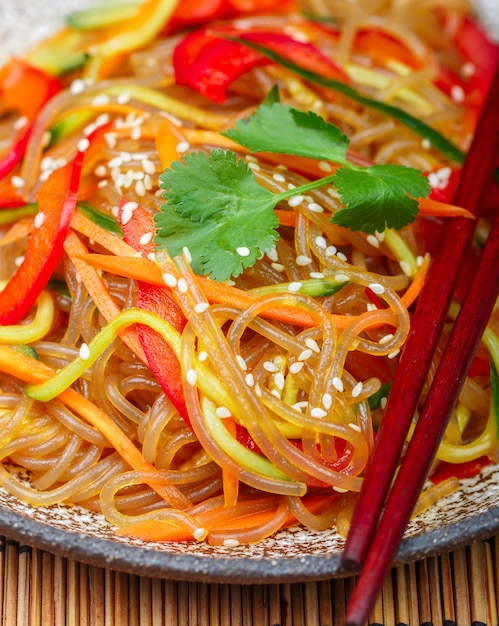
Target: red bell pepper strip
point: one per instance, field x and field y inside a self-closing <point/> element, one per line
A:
<point x="57" y="201"/>
<point x="468" y="469"/>
<point x="209" y="64"/>
<point x="26" y="89"/>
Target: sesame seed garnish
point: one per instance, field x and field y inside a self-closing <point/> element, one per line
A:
<point x="146" y="238"/>
<point x="279" y="381"/>
<point x="182" y="285"/>
<point x="276" y="393"/>
<point x="373" y="241"/>
<point x="100" y="171"/>
<point x="303" y="260"/>
<point x="202" y="356"/>
<point x="312" y="344"/>
<point x="339" y="489"/>
<point x="406" y="268"/>
<point x="383" y="402"/>
<point x="357" y="390"/>
<point x="101" y="99"/>
<point x="295" y="200"/>
<point x="199" y="534"/>
<point x="254" y="166"/>
<point x="377" y="288"/>
<point x="183" y="146"/>
<point x="315" y="207"/>
<point x="250" y="380"/>
<point x="84" y="352"/>
<point x="18" y="261"/>
<point x="140" y="189"/>
<point x="338" y="383"/>
<point x="115" y="162"/>
<point x="457" y="94"/>
<point x="294" y="287"/>
<point x="272" y="254"/>
<point x="327" y="401"/>
<point x="317" y="412"/>
<point x="151" y="256"/>
<point x="136" y="133"/>
<point x="324" y="166"/>
<point x="241" y="362"/>
<point x="258" y="390"/>
<point x="370" y="306"/>
<point x="169" y="279"/>
<point x="124" y="98"/>
<point x="20" y="122"/>
<point x="295" y="367"/>
<point x="279" y="178"/>
<point x="187" y="254"/>
<point x="341" y="256"/>
<point x="393" y="354"/>
<point x="243" y="251"/>
<point x="386" y="339"/>
<point x="468" y="69"/>
<point x="331" y="251"/>
<point x="419" y="261"/>
<point x="126" y="216"/>
<point x="201" y="307"/>
<point x="102" y="183"/>
<point x="278" y="267"/>
<point x="341" y="278"/>
<point x="270" y="367"/>
<point x="355" y="427"/>
<point x="148" y="182"/>
<point x="426" y="144"/>
<point x="191" y="377"/>
<point x="148" y="166"/>
<point x="316" y="275"/>
<point x="306" y="354"/>
<point x="77" y="86"/>
<point x="231" y="543"/>
<point x="39" y="219"/>
<point x="17" y="181"/>
<point x="223" y="412"/>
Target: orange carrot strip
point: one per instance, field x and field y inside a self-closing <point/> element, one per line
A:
<point x="429" y="206"/>
<point x="286" y="218"/>
<point x="154" y="530"/>
<point x="167" y="140"/>
<point x="32" y="371"/>
<point x="414" y="289"/>
<point x="22" y="228"/>
<point x="99" y="292"/>
<point x="107" y="240"/>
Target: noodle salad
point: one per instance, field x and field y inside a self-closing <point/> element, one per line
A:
<point x="216" y="218"/>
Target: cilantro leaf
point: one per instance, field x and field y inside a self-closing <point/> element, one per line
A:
<point x="378" y="197"/>
<point x="216" y="208"/>
<point x="284" y="130"/>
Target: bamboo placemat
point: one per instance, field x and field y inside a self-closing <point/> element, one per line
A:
<point x="40" y="589"/>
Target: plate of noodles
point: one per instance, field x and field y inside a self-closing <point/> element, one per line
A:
<point x="216" y="219"/>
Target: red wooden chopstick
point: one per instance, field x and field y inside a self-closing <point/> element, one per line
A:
<point x="425" y="331"/>
<point x="438" y="407"/>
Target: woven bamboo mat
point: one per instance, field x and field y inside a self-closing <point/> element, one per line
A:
<point x="40" y="589"/>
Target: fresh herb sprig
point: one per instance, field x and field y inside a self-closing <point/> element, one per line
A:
<point x="216" y="205"/>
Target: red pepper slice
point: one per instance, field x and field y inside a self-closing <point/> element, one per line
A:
<point x="209" y="64"/>
<point x="468" y="469"/>
<point x="16" y="152"/>
<point x="57" y="201"/>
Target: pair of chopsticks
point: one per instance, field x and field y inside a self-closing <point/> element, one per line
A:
<point x="383" y="511"/>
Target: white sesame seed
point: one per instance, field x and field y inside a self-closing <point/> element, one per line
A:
<point x="306" y="354"/>
<point x="357" y="390"/>
<point x="383" y="402"/>
<point x="294" y="287"/>
<point x="115" y="162"/>
<point x="303" y="260"/>
<point x="241" y="362"/>
<point x="270" y="367"/>
<point x="151" y="256"/>
<point x="321" y="243"/>
<point x="338" y="383"/>
<point x="169" y="279"/>
<point x="272" y="254"/>
<point x="39" y="219"/>
<point x="457" y="94"/>
<point x="140" y="189"/>
<point x="317" y="412"/>
<point x="324" y="166"/>
<point x="250" y="380"/>
<point x="295" y="200"/>
<point x="101" y="99"/>
<point x="77" y="86"/>
<point x="202" y="356"/>
<point x="341" y="278"/>
<point x="199" y="534"/>
<point x="315" y="207"/>
<point x="17" y="182"/>
<point x="331" y="251"/>
<point x="277" y="267"/>
<point x="316" y="275"/>
<point x="355" y="427"/>
<point x="468" y="69"/>
<point x="327" y="401"/>
<point x="279" y="178"/>
<point x="312" y="344"/>
<point x="146" y="238"/>
<point x="276" y="393"/>
<point x="18" y="261"/>
<point x="126" y="216"/>
<point x="426" y="144"/>
<point x="419" y="261"/>
<point x="279" y="381"/>
<point x="201" y="307"/>
<point x="341" y="256"/>
<point x="148" y="184"/>
<point x="373" y="241"/>
<point x="243" y="251"/>
<point x="393" y="354"/>
<point x="377" y="288"/>
<point x="386" y="339"/>
<point x="370" y="306"/>
<point x="231" y="543"/>
<point x="223" y="412"/>
<point x="100" y="171"/>
<point x="182" y="285"/>
<point x="339" y="489"/>
<point x="136" y="133"/>
<point x="183" y="146"/>
<point x="258" y="390"/>
<point x="148" y="166"/>
<point x="191" y="377"/>
<point x="295" y="367"/>
<point x="84" y="352"/>
<point x="254" y="166"/>
<point x="20" y="122"/>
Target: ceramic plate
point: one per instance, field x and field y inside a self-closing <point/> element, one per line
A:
<point x="290" y="556"/>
